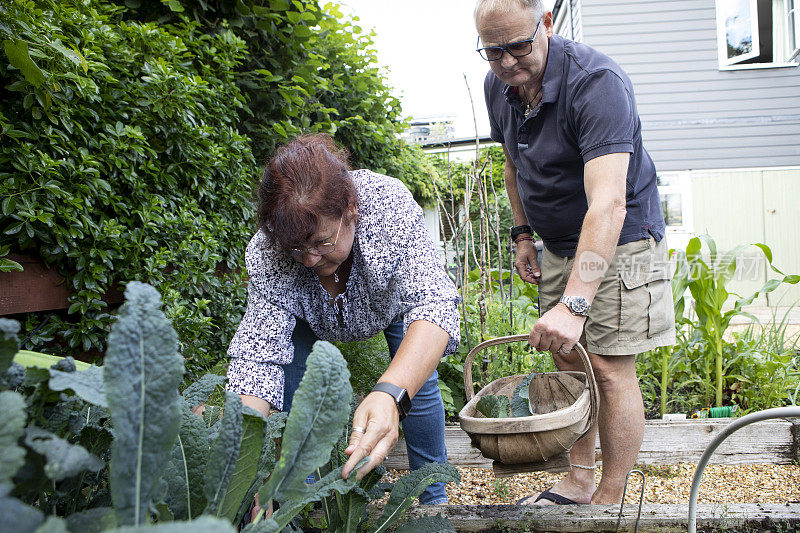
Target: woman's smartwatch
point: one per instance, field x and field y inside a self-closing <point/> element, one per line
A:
<point x="399" y="394"/>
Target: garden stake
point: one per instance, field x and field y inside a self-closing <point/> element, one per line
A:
<point x="641" y="499"/>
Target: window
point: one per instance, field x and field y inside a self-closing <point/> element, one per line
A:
<point x="757" y="33"/>
<point x="793" y="28"/>
<point x="674" y="189"/>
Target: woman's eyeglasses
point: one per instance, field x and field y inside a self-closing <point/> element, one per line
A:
<point x="320" y="249"/>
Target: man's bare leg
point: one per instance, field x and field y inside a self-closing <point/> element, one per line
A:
<point x="621" y="426"/>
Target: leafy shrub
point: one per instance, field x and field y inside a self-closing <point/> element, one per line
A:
<point x="309" y="68"/>
<point x="121" y="159"/>
<point x="131" y="136"/>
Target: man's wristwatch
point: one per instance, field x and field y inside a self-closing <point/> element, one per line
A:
<point x="577" y="305"/>
<point x="399" y="394"/>
<point x="516" y="231"/>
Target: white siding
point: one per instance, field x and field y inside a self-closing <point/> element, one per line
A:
<point x="569" y="22"/>
<point x="695" y="116"/>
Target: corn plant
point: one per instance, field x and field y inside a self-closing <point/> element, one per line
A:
<point x="707" y="276"/>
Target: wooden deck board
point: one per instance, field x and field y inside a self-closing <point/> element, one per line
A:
<point x="603" y="518"/>
<point x="768" y="442"/>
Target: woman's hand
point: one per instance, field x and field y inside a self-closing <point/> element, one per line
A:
<point x="375" y="432"/>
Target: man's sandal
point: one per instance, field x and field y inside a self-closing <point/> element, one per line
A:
<point x="546" y="494"/>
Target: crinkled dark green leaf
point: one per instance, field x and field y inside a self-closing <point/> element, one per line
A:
<point x="16" y="516"/>
<point x="65" y="364"/>
<point x="142" y="372"/>
<point x="13" y="377"/>
<point x="63" y="459"/>
<point x="92" y="520"/>
<point x="185" y="472"/>
<point x="53" y="524"/>
<point x="199" y="391"/>
<point x="9" y="342"/>
<point x="87" y="384"/>
<point x="427" y="524"/>
<point x="273" y="431"/>
<point x="521" y="389"/>
<point x="246" y="464"/>
<point x="520" y="406"/>
<point x="12" y="427"/>
<point x="224" y="453"/>
<point x="494" y="406"/>
<point x="520" y="403"/>
<point x="410" y="486"/>
<point x="95" y="415"/>
<point x="204" y="524"/>
<point x="354" y="503"/>
<point x="319" y="412"/>
<point x="275" y="426"/>
<point x="321" y="489"/>
<point x="59" y="417"/>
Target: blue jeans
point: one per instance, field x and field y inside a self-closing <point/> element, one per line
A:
<point x="423" y="427"/>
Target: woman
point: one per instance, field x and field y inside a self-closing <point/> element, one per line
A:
<point x="343" y="255"/>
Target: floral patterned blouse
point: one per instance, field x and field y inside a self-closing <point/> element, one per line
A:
<point x="396" y="271"/>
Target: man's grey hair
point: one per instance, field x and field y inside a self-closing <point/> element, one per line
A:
<point x="501" y="6"/>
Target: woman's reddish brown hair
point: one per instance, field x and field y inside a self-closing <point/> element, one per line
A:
<point x="307" y="178"/>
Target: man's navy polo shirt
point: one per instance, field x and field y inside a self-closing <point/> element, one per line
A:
<point x="587" y="110"/>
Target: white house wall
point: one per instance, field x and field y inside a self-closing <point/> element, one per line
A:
<point x="695" y="116"/>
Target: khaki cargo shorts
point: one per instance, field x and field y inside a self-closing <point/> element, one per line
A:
<point x="632" y="311"/>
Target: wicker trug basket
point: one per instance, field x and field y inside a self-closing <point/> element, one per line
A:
<point x="564" y="408"/>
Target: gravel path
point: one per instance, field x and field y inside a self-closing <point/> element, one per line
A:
<point x="664" y="484"/>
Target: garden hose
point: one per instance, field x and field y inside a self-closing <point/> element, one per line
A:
<point x="758" y="416"/>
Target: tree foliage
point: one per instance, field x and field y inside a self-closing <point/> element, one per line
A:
<point x="131" y="136"/>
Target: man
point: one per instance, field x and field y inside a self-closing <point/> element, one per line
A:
<point x="576" y="172"/>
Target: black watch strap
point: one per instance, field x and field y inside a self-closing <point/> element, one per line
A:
<point x="399" y="394"/>
<point x="516" y="231"/>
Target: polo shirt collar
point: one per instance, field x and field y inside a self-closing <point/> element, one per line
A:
<point x="551" y="82"/>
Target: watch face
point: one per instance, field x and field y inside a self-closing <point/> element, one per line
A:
<point x="579" y="305"/>
<point x="576" y="304"/>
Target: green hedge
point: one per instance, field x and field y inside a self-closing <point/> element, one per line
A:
<point x="132" y="135"/>
<point x="121" y="160"/>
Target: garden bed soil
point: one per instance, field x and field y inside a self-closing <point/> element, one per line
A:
<point x="753" y="497"/>
<point x="664" y="484"/>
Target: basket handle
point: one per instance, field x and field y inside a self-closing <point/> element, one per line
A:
<point x="469" y="386"/>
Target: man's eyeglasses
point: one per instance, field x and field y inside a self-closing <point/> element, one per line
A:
<point x="320" y="249"/>
<point x="517" y="49"/>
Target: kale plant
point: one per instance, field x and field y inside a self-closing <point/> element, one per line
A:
<point x="117" y="448"/>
